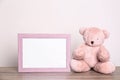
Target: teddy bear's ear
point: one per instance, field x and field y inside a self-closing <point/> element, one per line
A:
<point x="82" y="30"/>
<point x="106" y="33"/>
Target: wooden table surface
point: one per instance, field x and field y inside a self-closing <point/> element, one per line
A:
<point x="13" y="74"/>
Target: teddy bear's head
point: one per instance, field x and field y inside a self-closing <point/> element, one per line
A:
<point x="94" y="36"/>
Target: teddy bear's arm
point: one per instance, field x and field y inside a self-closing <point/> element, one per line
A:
<point x="78" y="53"/>
<point x="103" y="54"/>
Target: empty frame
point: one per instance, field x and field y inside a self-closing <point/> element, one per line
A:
<point x="43" y="52"/>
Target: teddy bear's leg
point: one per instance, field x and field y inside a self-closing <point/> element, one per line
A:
<point x="79" y="66"/>
<point x="104" y="67"/>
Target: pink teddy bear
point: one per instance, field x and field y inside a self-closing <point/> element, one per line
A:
<point x="92" y="54"/>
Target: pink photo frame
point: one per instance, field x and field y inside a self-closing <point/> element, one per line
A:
<point x="43" y="52"/>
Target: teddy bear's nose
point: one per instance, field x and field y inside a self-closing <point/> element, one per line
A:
<point x="92" y="42"/>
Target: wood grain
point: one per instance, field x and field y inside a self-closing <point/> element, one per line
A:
<point x="13" y="74"/>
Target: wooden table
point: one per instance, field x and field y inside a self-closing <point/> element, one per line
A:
<point x="13" y="74"/>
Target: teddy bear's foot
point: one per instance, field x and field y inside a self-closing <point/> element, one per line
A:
<point x="79" y="66"/>
<point x="104" y="67"/>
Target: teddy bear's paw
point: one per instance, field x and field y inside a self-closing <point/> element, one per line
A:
<point x="103" y="55"/>
<point x="79" y="66"/>
<point x="78" y="54"/>
<point x="103" y="59"/>
<point x="106" y="67"/>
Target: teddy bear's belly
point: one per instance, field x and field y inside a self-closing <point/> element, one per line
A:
<point x="91" y="60"/>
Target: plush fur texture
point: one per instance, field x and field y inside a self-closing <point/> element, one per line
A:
<point x="92" y="54"/>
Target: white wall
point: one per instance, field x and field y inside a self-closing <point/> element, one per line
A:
<point x="56" y="16"/>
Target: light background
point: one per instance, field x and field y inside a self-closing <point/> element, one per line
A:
<point x="57" y="16"/>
